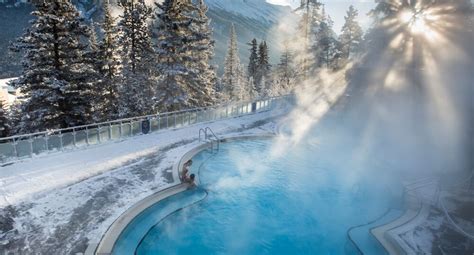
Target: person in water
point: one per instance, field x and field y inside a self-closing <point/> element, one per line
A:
<point x="185" y="172"/>
<point x="190" y="180"/>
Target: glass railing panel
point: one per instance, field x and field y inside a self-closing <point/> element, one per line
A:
<point x="68" y="141"/>
<point x="81" y="138"/>
<point x="39" y="145"/>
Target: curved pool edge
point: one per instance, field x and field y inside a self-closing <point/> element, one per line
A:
<point x="108" y="240"/>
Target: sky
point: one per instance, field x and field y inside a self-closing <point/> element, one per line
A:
<point x="337" y="10"/>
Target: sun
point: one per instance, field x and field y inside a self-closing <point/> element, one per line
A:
<point x="417" y="21"/>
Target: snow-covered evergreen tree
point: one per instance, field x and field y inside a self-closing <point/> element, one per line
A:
<point x="202" y="92"/>
<point x="308" y="26"/>
<point x="253" y="59"/>
<point x="137" y="90"/>
<point x="327" y="46"/>
<point x="263" y="69"/>
<point x="352" y="34"/>
<point x="90" y="57"/>
<point x="14" y="117"/>
<point x="184" y="47"/>
<point x="108" y="65"/>
<point x="286" y="74"/>
<point x="252" y="89"/>
<point x="232" y="80"/>
<point x="56" y="80"/>
<point x="4" y="121"/>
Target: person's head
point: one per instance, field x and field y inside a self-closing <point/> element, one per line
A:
<point x="190" y="162"/>
<point x="192" y="176"/>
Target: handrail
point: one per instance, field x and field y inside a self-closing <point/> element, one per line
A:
<point x="204" y="132"/>
<point x="26" y="145"/>
<point x="207" y="137"/>
<point x="214" y="135"/>
<point x="126" y="120"/>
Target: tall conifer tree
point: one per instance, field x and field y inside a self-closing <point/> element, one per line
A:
<point x="184" y="48"/>
<point x="202" y="90"/>
<point x="108" y="64"/>
<point x="351" y="37"/>
<point x="232" y="80"/>
<point x="56" y="77"/>
<point x="137" y="91"/>
<point x="286" y="75"/>
<point x="253" y="60"/>
<point x="4" y="121"/>
<point x="262" y="80"/>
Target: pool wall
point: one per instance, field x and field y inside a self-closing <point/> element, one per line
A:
<point x="106" y="245"/>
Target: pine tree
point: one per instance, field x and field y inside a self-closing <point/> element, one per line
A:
<point x="137" y="92"/>
<point x="108" y="64"/>
<point x="91" y="58"/>
<point x="202" y="92"/>
<point x="351" y="37"/>
<point x="56" y="77"/>
<point x="326" y="48"/>
<point x="232" y="78"/>
<point x="263" y="69"/>
<point x="286" y="75"/>
<point x="14" y="117"/>
<point x="4" y="122"/>
<point x="184" y="49"/>
<point x="251" y="89"/>
<point x="307" y="30"/>
<point x="253" y="60"/>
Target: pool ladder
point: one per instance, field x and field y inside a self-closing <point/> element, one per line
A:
<point x="209" y="136"/>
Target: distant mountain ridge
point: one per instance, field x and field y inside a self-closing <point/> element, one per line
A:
<point x="252" y="19"/>
<point x="252" y="9"/>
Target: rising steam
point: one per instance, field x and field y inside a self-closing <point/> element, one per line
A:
<point x="409" y="97"/>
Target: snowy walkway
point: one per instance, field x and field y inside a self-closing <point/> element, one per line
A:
<point x="58" y="203"/>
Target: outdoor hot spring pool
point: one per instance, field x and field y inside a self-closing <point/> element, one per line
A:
<point x="252" y="200"/>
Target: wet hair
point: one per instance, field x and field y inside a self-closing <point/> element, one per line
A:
<point x="192" y="176"/>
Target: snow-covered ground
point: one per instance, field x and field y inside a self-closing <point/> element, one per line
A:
<point x="437" y="234"/>
<point x="59" y="203"/>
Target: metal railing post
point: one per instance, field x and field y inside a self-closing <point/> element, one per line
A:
<point x="74" y="139"/>
<point x="87" y="136"/>
<point x="120" y="131"/>
<point x="31" y="147"/>
<point x="15" y="149"/>
<point x="98" y="135"/>
<point x="61" y="140"/>
<point x="46" y="141"/>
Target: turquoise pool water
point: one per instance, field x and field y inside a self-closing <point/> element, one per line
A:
<point x="253" y="200"/>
